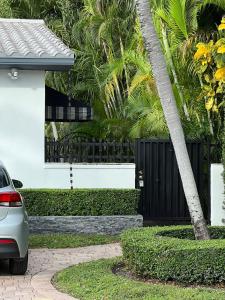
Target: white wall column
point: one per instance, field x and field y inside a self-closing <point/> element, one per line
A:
<point x="22" y="119"/>
<point x="217" y="195"/>
<point x="22" y="149"/>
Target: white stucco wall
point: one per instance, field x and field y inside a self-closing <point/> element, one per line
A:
<point x="90" y="175"/>
<point x="217" y="195"/>
<point x="22" y="119"/>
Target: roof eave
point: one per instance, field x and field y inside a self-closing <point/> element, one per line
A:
<point x="46" y="64"/>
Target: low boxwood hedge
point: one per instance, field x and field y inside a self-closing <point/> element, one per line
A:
<point x="171" y="253"/>
<point x="81" y="202"/>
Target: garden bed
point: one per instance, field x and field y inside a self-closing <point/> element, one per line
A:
<point x="172" y="254"/>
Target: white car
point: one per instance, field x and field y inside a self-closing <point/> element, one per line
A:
<point x="14" y="229"/>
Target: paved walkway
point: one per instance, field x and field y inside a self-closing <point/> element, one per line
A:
<point x="43" y="264"/>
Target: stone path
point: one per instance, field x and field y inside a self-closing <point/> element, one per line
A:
<point x="43" y="264"/>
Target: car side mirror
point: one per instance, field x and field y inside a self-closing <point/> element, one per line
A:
<point x="17" y="184"/>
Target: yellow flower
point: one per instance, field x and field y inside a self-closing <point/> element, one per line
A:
<point x="220" y="74"/>
<point x="221" y="49"/>
<point x="209" y="104"/>
<point x="221" y="26"/>
<point x="203" y="51"/>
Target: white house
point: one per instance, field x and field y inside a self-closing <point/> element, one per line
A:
<point x="28" y="49"/>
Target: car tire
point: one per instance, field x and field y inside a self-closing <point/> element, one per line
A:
<point x="18" y="266"/>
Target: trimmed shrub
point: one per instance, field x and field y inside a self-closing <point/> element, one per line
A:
<point x="171" y="253"/>
<point x="81" y="202"/>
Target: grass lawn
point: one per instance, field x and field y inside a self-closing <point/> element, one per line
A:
<point x="95" y="281"/>
<point x="69" y="240"/>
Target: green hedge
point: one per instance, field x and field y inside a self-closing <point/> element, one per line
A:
<point x="81" y="202"/>
<point x="166" y="253"/>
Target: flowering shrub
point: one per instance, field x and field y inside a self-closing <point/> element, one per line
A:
<point x="210" y="67"/>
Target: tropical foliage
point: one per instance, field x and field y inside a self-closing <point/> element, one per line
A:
<point x="110" y="68"/>
<point x="5" y="10"/>
<point x="168" y="102"/>
<point x="111" y="71"/>
<point x="210" y="67"/>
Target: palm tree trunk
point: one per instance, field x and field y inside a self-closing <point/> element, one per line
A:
<point x="165" y="92"/>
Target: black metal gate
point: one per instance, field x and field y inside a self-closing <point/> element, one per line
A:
<point x="162" y="196"/>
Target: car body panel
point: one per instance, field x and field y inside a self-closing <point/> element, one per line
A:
<point x="3" y="213"/>
<point x="13" y="225"/>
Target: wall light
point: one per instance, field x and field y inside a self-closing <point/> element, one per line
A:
<point x="13" y="74"/>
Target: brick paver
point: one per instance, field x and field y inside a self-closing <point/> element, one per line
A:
<point x="43" y="264"/>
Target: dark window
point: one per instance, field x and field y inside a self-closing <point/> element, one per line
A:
<point x="4" y="180"/>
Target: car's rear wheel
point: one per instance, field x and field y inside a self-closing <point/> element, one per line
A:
<point x="18" y="266"/>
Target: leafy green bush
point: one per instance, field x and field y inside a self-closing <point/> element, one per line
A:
<point x="166" y="253"/>
<point x="81" y="202"/>
<point x="5" y="10"/>
<point x="223" y="153"/>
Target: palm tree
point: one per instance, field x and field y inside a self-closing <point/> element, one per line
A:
<point x="177" y="20"/>
<point x="167" y="99"/>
